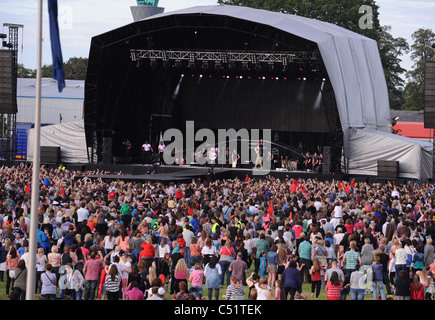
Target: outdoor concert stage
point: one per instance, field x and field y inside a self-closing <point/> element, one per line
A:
<point x="185" y="173"/>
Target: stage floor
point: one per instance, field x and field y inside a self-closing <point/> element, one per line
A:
<point x="185" y="173"/>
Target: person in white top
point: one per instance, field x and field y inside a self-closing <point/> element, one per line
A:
<point x="161" y="149"/>
<point x="401" y="257"/>
<point x="147" y="152"/>
<point x="82" y="213"/>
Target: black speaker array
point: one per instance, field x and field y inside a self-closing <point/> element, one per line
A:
<point x="388" y="169"/>
<point x="50" y="155"/>
<point x="429" y="95"/>
<point x="107" y="150"/>
<point x="326" y="164"/>
<point x="8" y="82"/>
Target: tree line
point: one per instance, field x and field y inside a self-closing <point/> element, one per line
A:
<point x="405" y="87"/>
<point x="74" y="68"/>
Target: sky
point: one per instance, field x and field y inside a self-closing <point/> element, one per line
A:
<point x="80" y="20"/>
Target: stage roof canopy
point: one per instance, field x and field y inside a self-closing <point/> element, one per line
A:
<point x="351" y="60"/>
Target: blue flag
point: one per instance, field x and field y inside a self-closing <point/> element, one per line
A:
<point x="56" y="52"/>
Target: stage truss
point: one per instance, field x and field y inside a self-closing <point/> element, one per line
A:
<point x="227" y="57"/>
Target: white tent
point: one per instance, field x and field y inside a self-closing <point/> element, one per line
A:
<point x="368" y="146"/>
<point x="352" y="61"/>
<point x="69" y="136"/>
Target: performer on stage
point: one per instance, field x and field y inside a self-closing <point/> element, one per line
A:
<point x="319" y="165"/>
<point x="307" y="162"/>
<point x="127" y="146"/>
<point x="234" y="158"/>
<point x="315" y="160"/>
<point x="211" y="154"/>
<point x="161" y="149"/>
<point x="147" y="150"/>
<point x="258" y="160"/>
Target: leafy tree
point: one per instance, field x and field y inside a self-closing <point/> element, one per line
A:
<point x="391" y="49"/>
<point x="421" y="51"/>
<point x="75" y="68"/>
<point x="23" y="72"/>
<point x="47" y="71"/>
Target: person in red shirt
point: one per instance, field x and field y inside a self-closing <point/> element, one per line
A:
<point x="148" y="252"/>
<point x="417" y="289"/>
<point x="333" y="287"/>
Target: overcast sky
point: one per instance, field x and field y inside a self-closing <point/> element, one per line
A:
<point x="80" y="20"/>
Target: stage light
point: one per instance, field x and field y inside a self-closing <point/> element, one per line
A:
<point x="193" y="75"/>
<point x="228" y="77"/>
<point x="305" y="79"/>
<point x="200" y="75"/>
<point x="264" y="78"/>
<point x="276" y="78"/>
<point x="182" y="75"/>
<point x="323" y="79"/>
<point x="299" y="78"/>
<point x="285" y="78"/>
<point x="241" y="77"/>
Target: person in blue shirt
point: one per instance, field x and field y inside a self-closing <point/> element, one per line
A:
<point x="194" y="222"/>
<point x="44" y="240"/>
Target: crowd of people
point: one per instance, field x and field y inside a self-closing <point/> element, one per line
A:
<point x="233" y="239"/>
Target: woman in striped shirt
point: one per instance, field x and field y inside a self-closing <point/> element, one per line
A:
<point x="333" y="287"/>
<point x="113" y="282"/>
<point x="235" y="290"/>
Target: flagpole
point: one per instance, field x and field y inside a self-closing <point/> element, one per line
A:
<point x="31" y="270"/>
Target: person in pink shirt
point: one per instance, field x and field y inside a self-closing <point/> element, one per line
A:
<point x="90" y="271"/>
<point x="132" y="292"/>
<point x="196" y="279"/>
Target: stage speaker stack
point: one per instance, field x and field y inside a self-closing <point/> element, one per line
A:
<point x="107" y="150"/>
<point x="388" y="169"/>
<point x="50" y="155"/>
<point x="8" y="82"/>
<point x="429" y="95"/>
<point x="429" y="99"/>
<point x="326" y="165"/>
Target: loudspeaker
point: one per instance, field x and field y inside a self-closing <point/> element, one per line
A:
<point x="388" y="169"/>
<point x="107" y="150"/>
<point x="429" y="95"/>
<point x="50" y="154"/>
<point x="8" y="82"/>
<point x="326" y="164"/>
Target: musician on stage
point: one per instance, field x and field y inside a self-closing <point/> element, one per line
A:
<point x="127" y="146"/>
<point x="147" y="150"/>
<point x="234" y="158"/>
<point x="308" y="162"/>
<point x="315" y="162"/>
<point x="161" y="149"/>
<point x="258" y="160"/>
